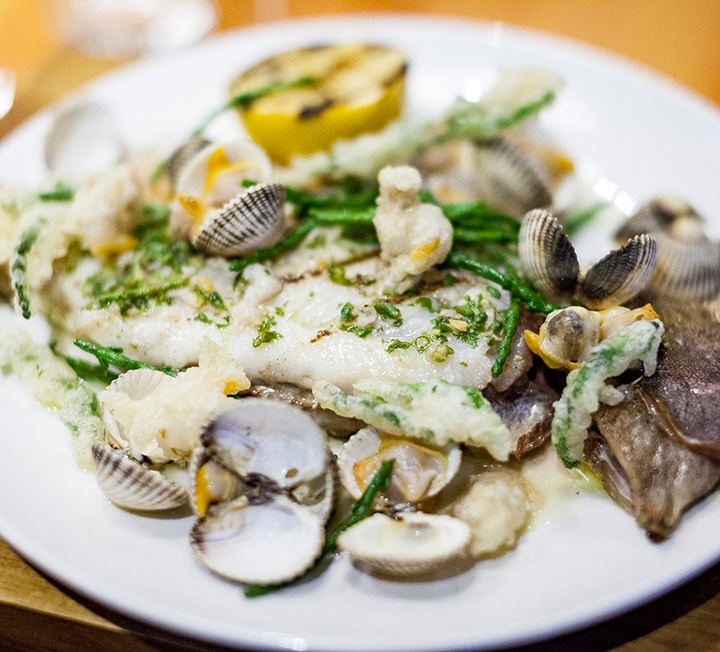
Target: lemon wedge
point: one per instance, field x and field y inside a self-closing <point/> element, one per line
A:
<point x="356" y="88"/>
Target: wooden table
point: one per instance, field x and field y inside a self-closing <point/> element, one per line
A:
<point x="680" y="38"/>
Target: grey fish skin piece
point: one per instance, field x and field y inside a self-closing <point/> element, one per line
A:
<point x="685" y="391"/>
<point x="646" y="469"/>
<point x="658" y="451"/>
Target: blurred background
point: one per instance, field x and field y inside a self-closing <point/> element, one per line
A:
<point x="680" y="38"/>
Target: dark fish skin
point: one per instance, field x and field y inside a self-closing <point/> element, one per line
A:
<point x="685" y="391"/>
<point x="526" y="409"/>
<point x="646" y="469"/>
<point x="658" y="451"/>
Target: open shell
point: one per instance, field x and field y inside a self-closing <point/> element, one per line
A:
<point x="132" y="485"/>
<point x="515" y="182"/>
<point x="207" y="209"/>
<point x="548" y="259"/>
<point x="409" y="544"/>
<point x="254" y="219"/>
<point x="420" y="470"/>
<point x="263" y="488"/>
<point x="211" y="482"/>
<point x="137" y="384"/>
<point x="547" y="256"/>
<point x="266" y="543"/>
<point x="269" y="441"/>
<point x="83" y="140"/>
<point x="619" y="276"/>
<point x="688" y="262"/>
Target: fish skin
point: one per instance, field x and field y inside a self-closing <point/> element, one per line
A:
<point x="645" y="469"/>
<point x="658" y="451"/>
<point x="685" y="391"/>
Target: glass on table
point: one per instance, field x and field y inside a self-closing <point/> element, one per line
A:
<point x="118" y="29"/>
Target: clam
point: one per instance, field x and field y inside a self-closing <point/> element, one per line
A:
<point x="212" y="482"/>
<point x="549" y="261"/>
<point x="182" y="155"/>
<point x="514" y="182"/>
<point x="132" y="485"/>
<point x="263" y="487"/>
<point x="411" y="543"/>
<point x="208" y="210"/>
<point x="252" y="220"/>
<point x="271" y="442"/>
<point x="137" y="385"/>
<point x="568" y="335"/>
<point x="158" y="416"/>
<point x="83" y="140"/>
<point x="688" y="262"/>
<point x="502" y="173"/>
<point x="420" y="470"/>
<point x="258" y="543"/>
<point x="547" y="256"/>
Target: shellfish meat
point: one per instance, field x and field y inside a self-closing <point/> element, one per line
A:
<point x="420" y="471"/>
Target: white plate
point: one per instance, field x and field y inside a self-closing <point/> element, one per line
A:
<point x="585" y="562"/>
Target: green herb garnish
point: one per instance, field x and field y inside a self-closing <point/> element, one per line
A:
<point x="18" y="268"/>
<point x="60" y="192"/>
<point x="265" y="332"/>
<point x="110" y="355"/>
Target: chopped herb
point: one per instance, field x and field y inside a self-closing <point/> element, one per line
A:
<point x="388" y="312"/>
<point x="60" y="192"/>
<point x="337" y="275"/>
<point x="148" y="275"/>
<point x="425" y="302"/>
<point x="348" y="320"/>
<point x="442" y="352"/>
<point x="265" y="332"/>
<point x="398" y="344"/>
<point x="209" y="298"/>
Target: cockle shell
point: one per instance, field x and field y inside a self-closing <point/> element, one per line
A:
<point x="514" y="181"/>
<point x="620" y="275"/>
<point x="547" y="256"/>
<point x="211" y="209"/>
<point x="504" y="174"/>
<point x="549" y="261"/>
<point x="688" y="262"/>
<point x="410" y="543"/>
<point x="179" y="159"/>
<point x="420" y="470"/>
<point x="132" y="485"/>
<point x="253" y="220"/>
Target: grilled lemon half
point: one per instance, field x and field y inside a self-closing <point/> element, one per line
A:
<point x="355" y="88"/>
